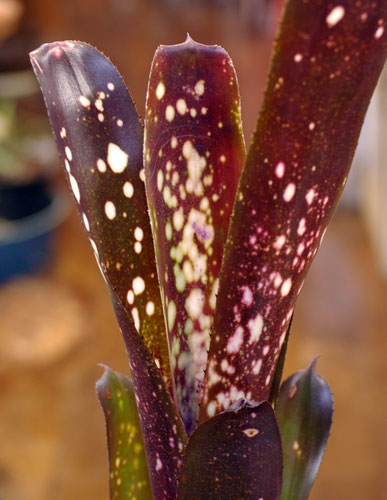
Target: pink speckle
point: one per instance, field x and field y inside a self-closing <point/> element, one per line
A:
<point x="298" y="58"/>
<point x="159" y="465"/>
<point x="279" y="242"/>
<point x="247" y="298"/>
<point x="325" y="201"/>
<point x="309" y="197"/>
<point x="300" y="248"/>
<point x="235" y="342"/>
<point x="286" y="287"/>
<point x="301" y="227"/>
<point x="289" y="192"/>
<point x="280" y="170"/>
<point x="257" y="365"/>
<point x="276" y="279"/>
<point x="253" y="239"/>
<point x="379" y="32"/>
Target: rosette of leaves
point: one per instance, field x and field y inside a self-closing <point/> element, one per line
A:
<point x="205" y="248"/>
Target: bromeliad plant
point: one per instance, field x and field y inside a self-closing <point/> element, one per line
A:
<point x="223" y="257"/>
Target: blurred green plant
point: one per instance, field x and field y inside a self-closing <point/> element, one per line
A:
<point x="219" y="263"/>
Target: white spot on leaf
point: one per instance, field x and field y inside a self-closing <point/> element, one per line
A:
<point x="116" y="158"/>
<point x="160" y="91"/>
<point x="128" y="189"/>
<point x="138" y="285"/>
<point x="110" y="210"/>
<point x="335" y="16"/>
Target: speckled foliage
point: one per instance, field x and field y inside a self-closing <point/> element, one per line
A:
<point x="194" y="153"/>
<point x="235" y="456"/>
<point x="231" y="258"/>
<point x="163" y="432"/>
<point x="100" y="141"/>
<point x="129" y="476"/>
<point x="326" y="64"/>
<point x="304" y="411"/>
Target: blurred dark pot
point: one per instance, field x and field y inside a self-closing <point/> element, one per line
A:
<point x="25" y="243"/>
<point x="23" y="199"/>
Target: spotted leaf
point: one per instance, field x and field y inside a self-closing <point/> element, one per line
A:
<point x="235" y="455"/>
<point x="99" y="137"/>
<point x="304" y="411"/>
<point x="129" y="476"/>
<point x="163" y="432"/>
<point x="326" y="63"/>
<point x="194" y="152"/>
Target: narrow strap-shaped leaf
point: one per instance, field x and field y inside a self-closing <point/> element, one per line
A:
<point x="304" y="411"/>
<point x="99" y="137"/>
<point x="163" y="432"/>
<point x="194" y="152"/>
<point x="129" y="476"/>
<point x="275" y="387"/>
<point x="326" y="64"/>
<point x="235" y="456"/>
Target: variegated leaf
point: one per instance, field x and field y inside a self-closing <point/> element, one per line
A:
<point x="129" y="476"/>
<point x="99" y="137"/>
<point x="194" y="152"/>
<point x="325" y="67"/>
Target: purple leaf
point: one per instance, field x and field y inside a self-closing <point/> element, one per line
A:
<point x="194" y="152"/>
<point x="163" y="433"/>
<point x="235" y="455"/>
<point x="99" y="137"/>
<point x="304" y="411"/>
<point x="325" y="66"/>
<point x="129" y="476"/>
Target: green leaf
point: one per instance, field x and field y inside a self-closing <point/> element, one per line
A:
<point x="326" y="63"/>
<point x="100" y="140"/>
<point x="304" y="412"/>
<point x="129" y="476"/>
<point x="163" y="432"/>
<point x="235" y="456"/>
<point x="194" y="152"/>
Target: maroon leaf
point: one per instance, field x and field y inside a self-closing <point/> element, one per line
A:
<point x="194" y="152"/>
<point x="99" y="137"/>
<point x="304" y="411"/>
<point x="163" y="433"/>
<point x="326" y="64"/>
<point x="235" y="455"/>
<point x="129" y="476"/>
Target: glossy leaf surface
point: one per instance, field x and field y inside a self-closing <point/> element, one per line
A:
<point x="163" y="432"/>
<point x="235" y="456"/>
<point x="129" y="476"/>
<point x="326" y="63"/>
<point x="100" y="140"/>
<point x="194" y="152"/>
<point x="304" y="412"/>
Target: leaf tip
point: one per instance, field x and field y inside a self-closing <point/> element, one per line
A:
<point x="312" y="367"/>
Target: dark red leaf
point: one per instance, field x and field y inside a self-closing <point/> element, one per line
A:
<point x="162" y="430"/>
<point x="326" y="64"/>
<point x="128" y="469"/>
<point x="100" y="140"/>
<point x="235" y="456"/>
<point x="194" y="152"/>
<point x="304" y="411"/>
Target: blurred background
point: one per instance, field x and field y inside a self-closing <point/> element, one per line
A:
<point x="56" y="322"/>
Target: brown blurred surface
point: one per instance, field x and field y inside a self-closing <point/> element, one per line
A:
<point x="56" y="327"/>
